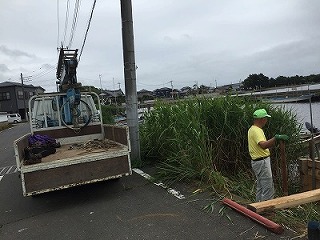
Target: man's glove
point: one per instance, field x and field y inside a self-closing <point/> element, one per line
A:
<point x="282" y="137"/>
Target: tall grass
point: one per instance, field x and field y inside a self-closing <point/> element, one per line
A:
<point x="176" y="137"/>
<point x="206" y="139"/>
<point x="108" y="113"/>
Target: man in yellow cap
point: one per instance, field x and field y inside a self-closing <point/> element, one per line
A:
<point x="260" y="155"/>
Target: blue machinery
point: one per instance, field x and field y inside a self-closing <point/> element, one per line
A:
<point x="67" y="83"/>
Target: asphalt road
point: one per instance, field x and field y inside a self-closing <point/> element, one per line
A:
<point x="7" y="137"/>
<point x="129" y="208"/>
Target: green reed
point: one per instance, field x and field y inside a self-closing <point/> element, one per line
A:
<point x="206" y="139"/>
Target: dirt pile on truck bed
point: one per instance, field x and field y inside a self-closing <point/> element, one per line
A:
<point x="82" y="149"/>
<point x="94" y="145"/>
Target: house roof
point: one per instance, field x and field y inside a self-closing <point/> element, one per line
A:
<point x="11" y="84"/>
<point x="162" y="89"/>
<point x="144" y="91"/>
<point x="187" y="88"/>
<point x="113" y="93"/>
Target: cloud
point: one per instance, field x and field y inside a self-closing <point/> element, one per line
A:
<point x="4" y="68"/>
<point x="288" y="58"/>
<point x="184" y="43"/>
<point x="14" y="53"/>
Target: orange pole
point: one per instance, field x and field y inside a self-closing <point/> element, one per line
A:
<point x="270" y="225"/>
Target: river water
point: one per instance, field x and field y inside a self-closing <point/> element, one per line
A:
<point x="303" y="112"/>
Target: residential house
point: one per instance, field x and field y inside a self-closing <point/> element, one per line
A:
<point x="162" y="92"/>
<point x="229" y="88"/>
<point x="185" y="91"/>
<point x="110" y="96"/>
<point x="14" y="97"/>
<point x="144" y="95"/>
<point x="144" y="92"/>
<point x="165" y="92"/>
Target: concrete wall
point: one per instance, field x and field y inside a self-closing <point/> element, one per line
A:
<point x="3" y="117"/>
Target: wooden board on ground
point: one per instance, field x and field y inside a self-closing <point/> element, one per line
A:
<point x="286" y="202"/>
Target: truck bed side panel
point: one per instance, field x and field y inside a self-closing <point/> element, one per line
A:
<point x="117" y="134"/>
<point x="77" y="174"/>
<point x="19" y="146"/>
<point x="66" y="132"/>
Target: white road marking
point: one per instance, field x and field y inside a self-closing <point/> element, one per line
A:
<point x="8" y="170"/>
<point x="1" y="177"/>
<point x="172" y="191"/>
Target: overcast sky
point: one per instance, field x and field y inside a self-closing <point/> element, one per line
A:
<point x="187" y="42"/>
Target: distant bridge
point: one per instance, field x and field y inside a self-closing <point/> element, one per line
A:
<point x="297" y="92"/>
<point x="286" y="92"/>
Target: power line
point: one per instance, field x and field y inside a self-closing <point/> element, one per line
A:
<point x="153" y="85"/>
<point x="75" y="21"/>
<point x="45" y="72"/>
<point x="89" y="22"/>
<point x="66" y="23"/>
<point x="58" y="23"/>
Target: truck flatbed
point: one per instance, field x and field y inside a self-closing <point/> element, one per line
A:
<point x="96" y="152"/>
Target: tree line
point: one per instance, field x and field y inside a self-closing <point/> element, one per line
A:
<point x="259" y="81"/>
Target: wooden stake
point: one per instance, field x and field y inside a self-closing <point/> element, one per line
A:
<point x="284" y="168"/>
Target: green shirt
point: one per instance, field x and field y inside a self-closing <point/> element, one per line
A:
<point x="256" y="135"/>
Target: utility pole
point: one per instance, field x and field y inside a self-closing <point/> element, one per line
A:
<point x="100" y="83"/>
<point x="171" y="89"/>
<point x="24" y="98"/>
<point x="130" y="77"/>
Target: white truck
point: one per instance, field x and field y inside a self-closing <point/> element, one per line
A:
<point x="88" y="154"/>
<point x="88" y="151"/>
